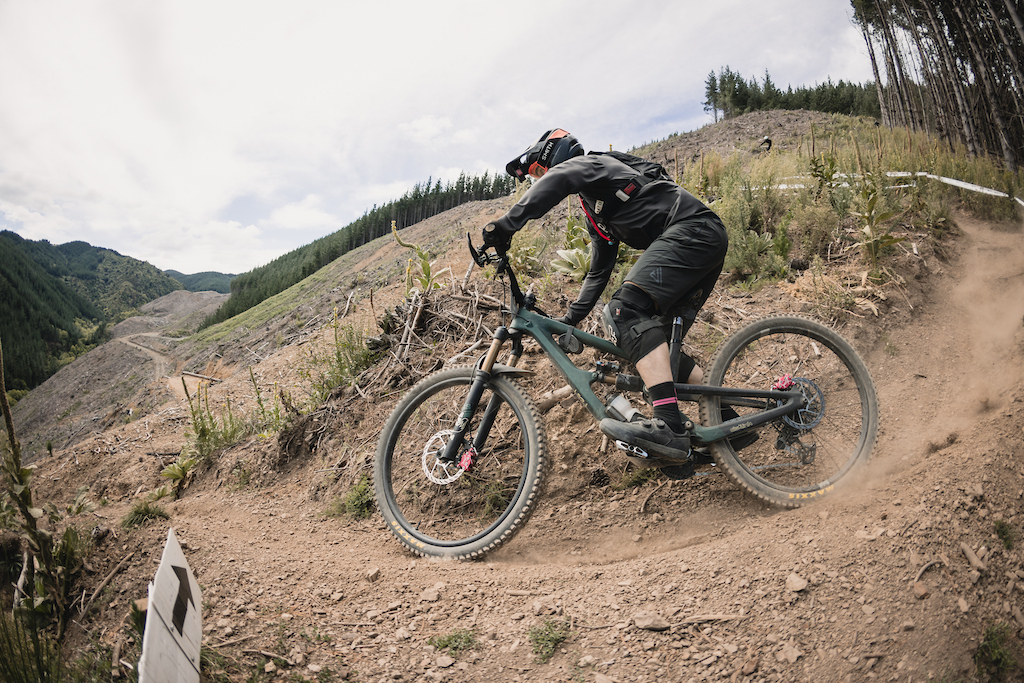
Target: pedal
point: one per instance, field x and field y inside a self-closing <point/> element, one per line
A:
<point x="633" y="450"/>
<point x="701" y="456"/>
<point x="641" y="458"/>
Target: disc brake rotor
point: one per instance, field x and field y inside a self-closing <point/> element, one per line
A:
<point x="437" y="470"/>
<point x="812" y="413"/>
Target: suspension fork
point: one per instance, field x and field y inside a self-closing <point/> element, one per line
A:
<point x="476" y="391"/>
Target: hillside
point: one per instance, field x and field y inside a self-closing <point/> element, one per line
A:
<point x="41" y="318"/>
<point x="64" y="295"/>
<point x="203" y="282"/>
<point x="883" y="587"/>
<point x="114" y="283"/>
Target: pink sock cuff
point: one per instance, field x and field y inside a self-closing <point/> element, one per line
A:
<point x="664" y="402"/>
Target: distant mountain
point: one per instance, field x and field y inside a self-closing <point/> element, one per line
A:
<point x="203" y="282"/>
<point x="116" y="284"/>
<point x="63" y="296"/>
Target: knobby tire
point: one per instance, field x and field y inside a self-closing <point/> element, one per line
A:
<point x="804" y="458"/>
<point x="473" y="511"/>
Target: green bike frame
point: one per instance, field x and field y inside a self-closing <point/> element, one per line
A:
<point x="545" y="330"/>
<point x="526" y="321"/>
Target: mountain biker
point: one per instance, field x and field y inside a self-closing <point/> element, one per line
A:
<point x="684" y="245"/>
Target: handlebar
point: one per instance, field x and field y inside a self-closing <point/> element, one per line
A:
<point x="482" y="257"/>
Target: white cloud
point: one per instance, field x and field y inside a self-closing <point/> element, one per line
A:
<point x="308" y="214"/>
<point x="188" y="132"/>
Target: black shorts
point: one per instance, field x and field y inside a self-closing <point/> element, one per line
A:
<point x="680" y="268"/>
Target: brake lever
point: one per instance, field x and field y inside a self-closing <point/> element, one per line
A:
<point x="479" y="257"/>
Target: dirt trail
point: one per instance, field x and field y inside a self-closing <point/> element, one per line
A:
<point x="961" y="358"/>
<point x="744" y="592"/>
<point x="163" y="365"/>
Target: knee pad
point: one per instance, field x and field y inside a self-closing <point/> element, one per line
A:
<point x="629" y="320"/>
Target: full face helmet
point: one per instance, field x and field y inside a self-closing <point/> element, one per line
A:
<point x="554" y="147"/>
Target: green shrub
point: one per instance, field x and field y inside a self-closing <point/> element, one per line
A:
<point x="874" y="233"/>
<point x="1006" y="534"/>
<point x="142" y="512"/>
<point x="28" y="654"/>
<point x="993" y="658"/>
<point x="547" y="637"/>
<point x="346" y="358"/>
<point x="636" y="478"/>
<point x="456" y="641"/>
<point x="814" y="227"/>
<point x="419" y="272"/>
<point x="206" y="433"/>
<point x="357" y="503"/>
<point x="177" y="472"/>
<point x="574" y="257"/>
<point x="266" y="418"/>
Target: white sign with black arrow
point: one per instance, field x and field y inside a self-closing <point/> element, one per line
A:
<point x="174" y="626"/>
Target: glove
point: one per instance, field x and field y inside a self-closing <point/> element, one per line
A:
<point x="568" y="341"/>
<point x="496" y="236"/>
<point x="567" y="319"/>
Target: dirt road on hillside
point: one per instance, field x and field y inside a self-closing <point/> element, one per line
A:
<point x="164" y="366"/>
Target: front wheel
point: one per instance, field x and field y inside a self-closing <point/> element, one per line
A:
<point x="464" y="508"/>
<point x="801" y="456"/>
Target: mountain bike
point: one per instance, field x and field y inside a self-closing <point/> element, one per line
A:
<point x="461" y="459"/>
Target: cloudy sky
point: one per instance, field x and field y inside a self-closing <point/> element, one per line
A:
<point x="218" y="135"/>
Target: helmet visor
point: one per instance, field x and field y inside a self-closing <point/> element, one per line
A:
<point x="536" y="160"/>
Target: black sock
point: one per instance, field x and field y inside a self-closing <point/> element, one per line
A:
<point x="663" y="398"/>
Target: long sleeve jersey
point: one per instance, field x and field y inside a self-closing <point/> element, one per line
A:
<point x="637" y="221"/>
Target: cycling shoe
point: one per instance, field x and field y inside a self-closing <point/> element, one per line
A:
<point x="651" y="435"/>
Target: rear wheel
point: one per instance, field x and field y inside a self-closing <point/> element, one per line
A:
<point x="801" y="456"/>
<point x="465" y="508"/>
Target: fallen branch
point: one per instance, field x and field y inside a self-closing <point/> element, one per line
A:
<point x="972" y="558"/>
<point x="233" y="641"/>
<point x="195" y="374"/>
<point x="348" y="303"/>
<point x="643" y="505"/>
<point x="268" y="655"/>
<point x="468" y="351"/>
<point x="923" y="569"/>
<point x="19" y="588"/>
<point x="551" y="398"/>
<point x="410" y="322"/>
<point x="103" y="584"/>
<point x="700" y="618"/>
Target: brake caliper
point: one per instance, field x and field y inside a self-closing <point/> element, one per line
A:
<point x="783" y="383"/>
<point x="466" y="461"/>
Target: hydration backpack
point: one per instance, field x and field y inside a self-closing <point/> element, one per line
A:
<point x="606" y="204"/>
<point x="649" y="170"/>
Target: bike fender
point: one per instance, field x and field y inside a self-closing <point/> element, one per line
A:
<point x="499" y="369"/>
